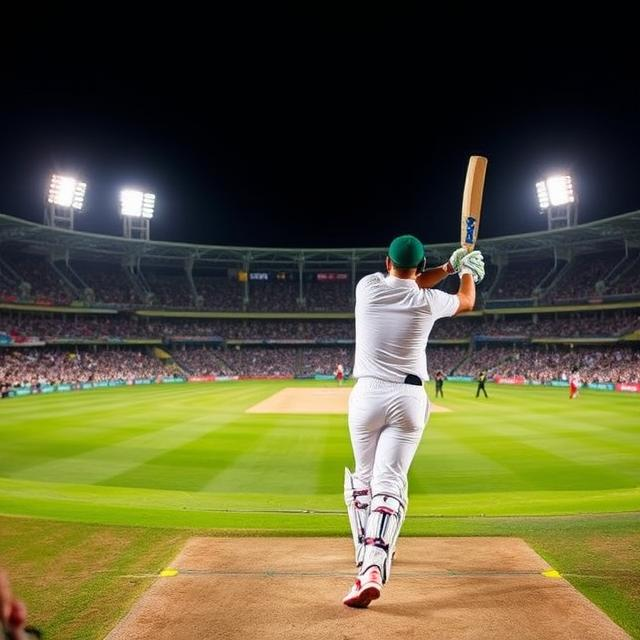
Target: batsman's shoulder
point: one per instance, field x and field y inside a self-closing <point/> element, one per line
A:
<point x="371" y="279"/>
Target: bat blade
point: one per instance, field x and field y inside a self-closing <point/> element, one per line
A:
<point x="472" y="201"/>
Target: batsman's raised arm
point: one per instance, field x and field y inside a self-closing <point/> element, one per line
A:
<point x="466" y="294"/>
<point x="431" y="277"/>
<point x="471" y="271"/>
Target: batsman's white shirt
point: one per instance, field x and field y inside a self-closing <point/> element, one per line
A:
<point x="394" y="318"/>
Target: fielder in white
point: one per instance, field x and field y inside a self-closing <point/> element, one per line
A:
<point x="388" y="407"/>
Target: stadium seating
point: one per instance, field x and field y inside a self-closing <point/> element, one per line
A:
<point x="580" y="280"/>
<point x="50" y="326"/>
<point x="81" y="307"/>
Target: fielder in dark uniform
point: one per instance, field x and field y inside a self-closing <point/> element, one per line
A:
<point x="440" y="377"/>
<point x="482" y="378"/>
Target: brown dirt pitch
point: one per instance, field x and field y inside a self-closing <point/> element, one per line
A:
<point x="312" y="400"/>
<point x="440" y="588"/>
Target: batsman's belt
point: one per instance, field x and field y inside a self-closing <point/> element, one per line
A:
<point x="413" y="379"/>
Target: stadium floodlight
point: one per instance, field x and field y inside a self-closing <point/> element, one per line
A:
<point x="557" y="200"/>
<point x="555" y="191"/>
<point x="543" y="195"/>
<point x="67" y="192"/>
<point x="64" y="199"/>
<point x="136" y="208"/>
<point x="137" y="204"/>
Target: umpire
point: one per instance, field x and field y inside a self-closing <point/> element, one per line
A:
<point x="439" y="383"/>
<point x="482" y="378"/>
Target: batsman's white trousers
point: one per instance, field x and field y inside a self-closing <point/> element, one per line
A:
<point x="386" y="422"/>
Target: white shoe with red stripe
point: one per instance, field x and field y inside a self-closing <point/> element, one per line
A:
<point x="367" y="587"/>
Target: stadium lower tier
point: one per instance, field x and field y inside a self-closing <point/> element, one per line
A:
<point x="544" y="363"/>
<point x="31" y="366"/>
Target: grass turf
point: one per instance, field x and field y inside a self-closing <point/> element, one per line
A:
<point x="156" y="460"/>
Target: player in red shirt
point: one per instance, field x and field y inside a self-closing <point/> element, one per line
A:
<point x="339" y="373"/>
<point x="574" y="384"/>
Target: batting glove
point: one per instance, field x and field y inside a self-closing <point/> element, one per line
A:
<point x="473" y="263"/>
<point x="453" y="264"/>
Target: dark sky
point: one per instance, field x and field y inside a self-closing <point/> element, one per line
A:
<point x="296" y="129"/>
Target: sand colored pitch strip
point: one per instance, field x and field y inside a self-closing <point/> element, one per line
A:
<point x="441" y="588"/>
<point x="311" y="400"/>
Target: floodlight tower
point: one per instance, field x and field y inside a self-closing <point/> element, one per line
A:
<point x="557" y="201"/>
<point x="136" y="209"/>
<point x="64" y="200"/>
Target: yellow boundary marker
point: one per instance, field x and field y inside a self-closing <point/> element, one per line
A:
<point x="169" y="572"/>
<point x="551" y="573"/>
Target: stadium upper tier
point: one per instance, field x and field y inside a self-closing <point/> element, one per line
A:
<point x="41" y="265"/>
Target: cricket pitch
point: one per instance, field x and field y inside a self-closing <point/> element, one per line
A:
<point x="444" y="588"/>
<point x="312" y="400"/>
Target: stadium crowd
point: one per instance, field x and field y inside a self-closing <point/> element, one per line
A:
<point x="444" y="359"/>
<point x="49" y="327"/>
<point x="595" y="364"/>
<point x="38" y="283"/>
<point x="110" y="284"/>
<point x="610" y="324"/>
<point x="33" y="278"/>
<point x="518" y="280"/>
<point x="580" y="279"/>
<point x="218" y="293"/>
<point x="32" y="366"/>
<point x="43" y="286"/>
<point x="324" y="360"/>
<point x="262" y="361"/>
<point x="628" y="283"/>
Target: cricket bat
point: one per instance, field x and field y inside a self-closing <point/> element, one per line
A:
<point x="472" y="202"/>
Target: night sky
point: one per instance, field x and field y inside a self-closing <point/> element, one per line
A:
<point x="299" y="130"/>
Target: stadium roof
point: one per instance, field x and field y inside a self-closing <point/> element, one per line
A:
<point x="602" y="235"/>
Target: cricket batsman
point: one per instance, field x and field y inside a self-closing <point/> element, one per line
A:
<point x="388" y="407"/>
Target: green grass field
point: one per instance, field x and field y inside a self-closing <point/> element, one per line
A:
<point x="103" y="484"/>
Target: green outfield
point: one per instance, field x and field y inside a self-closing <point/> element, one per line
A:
<point x="142" y="468"/>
